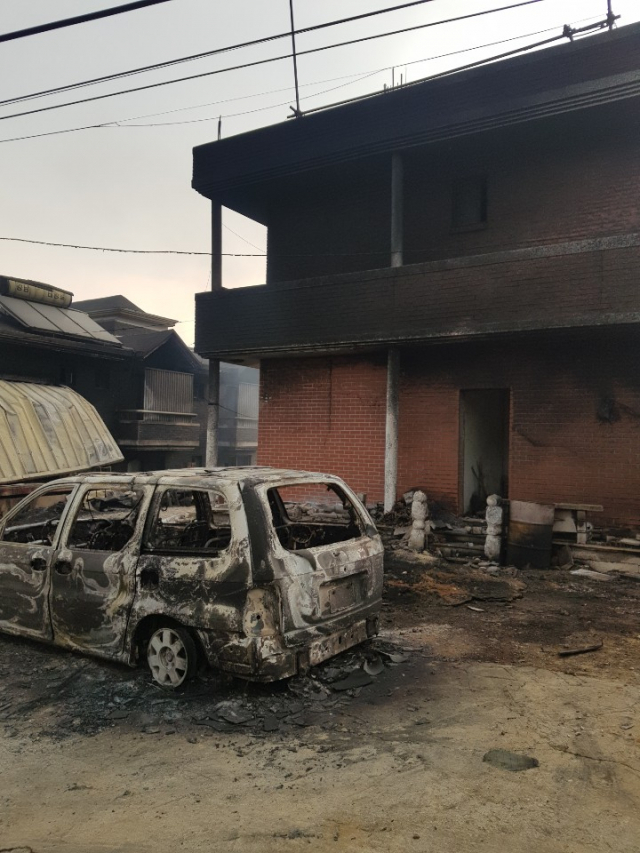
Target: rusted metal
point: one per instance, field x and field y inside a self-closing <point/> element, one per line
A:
<point x="107" y="560"/>
<point x="49" y="430"/>
<point x="530" y="534"/>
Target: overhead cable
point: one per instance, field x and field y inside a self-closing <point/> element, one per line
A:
<point x="272" y="59"/>
<point x="120" y="123"/>
<point x="215" y="52"/>
<point x="568" y="32"/>
<point x="79" y="19"/>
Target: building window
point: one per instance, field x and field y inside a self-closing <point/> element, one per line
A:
<point x="469" y="203"/>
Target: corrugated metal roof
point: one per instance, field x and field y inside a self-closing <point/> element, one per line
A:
<point x="48" y="431"/>
<point x="59" y="321"/>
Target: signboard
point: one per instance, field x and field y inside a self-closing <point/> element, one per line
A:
<point x="34" y="291"/>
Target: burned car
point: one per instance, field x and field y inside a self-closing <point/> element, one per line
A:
<point x="259" y="572"/>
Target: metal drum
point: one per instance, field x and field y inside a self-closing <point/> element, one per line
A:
<point x="530" y="534"/>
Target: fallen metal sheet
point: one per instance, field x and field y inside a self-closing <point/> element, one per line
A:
<point x="50" y="430"/>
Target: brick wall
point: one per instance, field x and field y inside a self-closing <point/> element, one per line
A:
<point x="325" y="414"/>
<point x="546" y="183"/>
<point x="328" y="414"/>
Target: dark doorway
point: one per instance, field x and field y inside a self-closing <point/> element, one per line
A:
<point x="484" y="446"/>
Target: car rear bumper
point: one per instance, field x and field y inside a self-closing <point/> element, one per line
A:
<point x="267" y="659"/>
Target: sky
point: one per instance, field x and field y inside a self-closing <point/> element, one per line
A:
<point x="128" y="185"/>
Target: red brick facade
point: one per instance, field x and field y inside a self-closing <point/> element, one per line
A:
<point x="325" y="414"/>
<point x="574" y="422"/>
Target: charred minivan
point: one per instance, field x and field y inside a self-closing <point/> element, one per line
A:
<point x="257" y="571"/>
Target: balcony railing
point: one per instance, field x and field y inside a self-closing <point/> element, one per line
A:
<point x="151" y="416"/>
<point x="579" y="284"/>
<point x="153" y="430"/>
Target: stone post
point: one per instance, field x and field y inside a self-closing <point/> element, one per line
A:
<point x="419" y="513"/>
<point x="494" y="516"/>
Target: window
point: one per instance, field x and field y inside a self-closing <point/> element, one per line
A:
<point x="469" y="203"/>
<point x="189" y="520"/>
<point x="307" y="515"/>
<point x="36" y="523"/>
<point x="106" y="519"/>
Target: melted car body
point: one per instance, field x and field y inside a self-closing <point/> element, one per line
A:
<point x="263" y="572"/>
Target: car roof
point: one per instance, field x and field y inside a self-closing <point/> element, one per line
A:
<point x="240" y="475"/>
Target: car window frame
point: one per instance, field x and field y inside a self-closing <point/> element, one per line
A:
<point x="366" y="524"/>
<point x="153" y="513"/>
<point x="83" y="489"/>
<point x="37" y="493"/>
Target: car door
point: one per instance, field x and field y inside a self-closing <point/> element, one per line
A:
<point x="195" y="564"/>
<point x="93" y="570"/>
<point x="28" y="535"/>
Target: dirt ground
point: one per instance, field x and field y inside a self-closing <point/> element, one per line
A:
<point x="94" y="758"/>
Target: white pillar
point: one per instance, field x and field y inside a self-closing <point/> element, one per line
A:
<point x="391" y="436"/>
<point x="397" y="225"/>
<point x="213" y="411"/>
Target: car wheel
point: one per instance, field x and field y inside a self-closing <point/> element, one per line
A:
<point x="172" y="656"/>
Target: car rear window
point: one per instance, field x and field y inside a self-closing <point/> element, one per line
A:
<point x="308" y="515"/>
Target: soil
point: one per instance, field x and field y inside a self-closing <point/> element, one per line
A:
<point x="95" y="758"/>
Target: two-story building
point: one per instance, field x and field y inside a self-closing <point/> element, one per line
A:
<point x="452" y="297"/>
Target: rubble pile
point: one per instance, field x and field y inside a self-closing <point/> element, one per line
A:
<point x="419" y="526"/>
<point x="61" y="696"/>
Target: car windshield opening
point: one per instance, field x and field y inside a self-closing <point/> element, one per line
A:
<point x="308" y="515"/>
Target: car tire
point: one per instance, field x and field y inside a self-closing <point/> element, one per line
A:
<point x="172" y="656"/>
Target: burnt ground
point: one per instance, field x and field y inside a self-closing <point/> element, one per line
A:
<point x="415" y="754"/>
<point x="520" y="617"/>
<point x="433" y="612"/>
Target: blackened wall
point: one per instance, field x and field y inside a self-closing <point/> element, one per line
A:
<point x="548" y="182"/>
<point x="106" y="382"/>
<point x="574" y="424"/>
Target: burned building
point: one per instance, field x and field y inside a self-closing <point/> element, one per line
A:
<point x="451" y="298"/>
<point x="163" y="424"/>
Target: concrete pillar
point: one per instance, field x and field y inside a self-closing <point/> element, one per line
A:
<point x="213" y="404"/>
<point x="397" y="223"/>
<point x="216" y="246"/>
<point x="391" y="436"/>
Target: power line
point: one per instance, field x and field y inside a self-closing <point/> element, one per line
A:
<point x="247" y="112"/>
<point x="276" y="58"/>
<point x="568" y="32"/>
<point x="79" y="19"/>
<point x="120" y="123"/>
<point x="205" y="54"/>
<point x="167" y="63"/>
<point x="244" y="239"/>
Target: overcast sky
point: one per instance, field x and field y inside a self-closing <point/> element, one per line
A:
<point x="129" y="186"/>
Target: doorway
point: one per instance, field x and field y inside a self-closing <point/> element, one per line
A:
<point x="484" y="446"/>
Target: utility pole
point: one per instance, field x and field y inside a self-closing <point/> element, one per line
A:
<point x="297" y="112"/>
<point x="213" y="397"/>
<point x="610" y="16"/>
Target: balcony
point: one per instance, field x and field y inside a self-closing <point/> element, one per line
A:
<point x="151" y="430"/>
<point x="584" y="283"/>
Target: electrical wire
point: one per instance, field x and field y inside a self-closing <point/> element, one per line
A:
<point x="565" y="34"/>
<point x="271" y="59"/>
<point x="244" y="239"/>
<point x="79" y="19"/>
<point x="120" y="123"/>
<point x="247" y="112"/>
<point x="167" y="63"/>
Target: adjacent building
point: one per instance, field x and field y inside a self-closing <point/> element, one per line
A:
<point x="162" y="424"/>
<point x="452" y="296"/>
